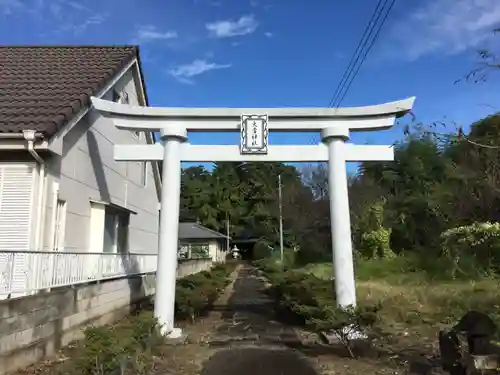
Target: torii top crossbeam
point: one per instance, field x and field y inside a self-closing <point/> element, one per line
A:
<point x="376" y="117"/>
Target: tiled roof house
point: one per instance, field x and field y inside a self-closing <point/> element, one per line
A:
<point x="60" y="188"/>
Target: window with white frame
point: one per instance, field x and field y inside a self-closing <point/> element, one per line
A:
<point x="193" y="250"/>
<point x="115" y="239"/>
<point x="59" y="225"/>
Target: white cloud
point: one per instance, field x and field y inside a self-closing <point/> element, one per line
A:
<point x="229" y="28"/>
<point x="150" y="33"/>
<point x="256" y="4"/>
<point x="55" y="8"/>
<point x="91" y="21"/>
<point x="269" y="34"/>
<point x="69" y="16"/>
<point x="185" y="73"/>
<point x="445" y="27"/>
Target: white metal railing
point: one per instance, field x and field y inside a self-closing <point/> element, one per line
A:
<point x="23" y="273"/>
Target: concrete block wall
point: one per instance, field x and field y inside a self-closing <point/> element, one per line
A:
<point x="37" y="326"/>
<point x="188" y="266"/>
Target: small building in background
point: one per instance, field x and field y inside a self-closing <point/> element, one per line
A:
<point x="196" y="241"/>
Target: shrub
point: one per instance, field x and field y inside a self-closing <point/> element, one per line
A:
<point x="477" y="244"/>
<point x="372" y="238"/>
<point x="288" y="257"/>
<point x="302" y="287"/>
<point x="196" y="293"/>
<point x="268" y="266"/>
<point x="344" y="322"/>
<point x="261" y="250"/>
<point x="310" y="301"/>
<point x="102" y="350"/>
<point x="225" y="268"/>
<point x="291" y="287"/>
<point x="130" y="345"/>
<point x="189" y="303"/>
<point x="376" y="243"/>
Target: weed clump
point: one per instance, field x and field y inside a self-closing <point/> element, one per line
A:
<point x="305" y="299"/>
<point x="128" y="347"/>
<point x="134" y="345"/>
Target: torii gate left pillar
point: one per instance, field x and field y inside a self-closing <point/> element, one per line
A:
<point x="173" y="124"/>
<point x="166" y="271"/>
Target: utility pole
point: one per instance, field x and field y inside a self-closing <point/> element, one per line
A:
<point x="281" y="217"/>
<point x="227" y="232"/>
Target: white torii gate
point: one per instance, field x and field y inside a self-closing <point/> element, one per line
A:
<point x="252" y="123"/>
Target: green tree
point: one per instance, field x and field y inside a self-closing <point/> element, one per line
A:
<point x="196" y="199"/>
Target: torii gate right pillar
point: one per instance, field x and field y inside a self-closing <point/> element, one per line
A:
<point x="340" y="221"/>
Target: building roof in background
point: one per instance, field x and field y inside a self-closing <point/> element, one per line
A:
<point x="43" y="87"/>
<point x="195" y="231"/>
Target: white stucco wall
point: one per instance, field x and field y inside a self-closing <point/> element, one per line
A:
<point x="86" y="171"/>
<point x="216" y="253"/>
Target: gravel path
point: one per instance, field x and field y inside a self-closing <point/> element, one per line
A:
<point x="248" y="340"/>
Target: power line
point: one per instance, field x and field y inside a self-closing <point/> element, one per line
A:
<point x="377" y="33"/>
<point x="347" y="86"/>
<point x="353" y="57"/>
<point x="367" y="51"/>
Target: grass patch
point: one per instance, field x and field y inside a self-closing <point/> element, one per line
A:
<point x="416" y="301"/>
<point x="399" y="270"/>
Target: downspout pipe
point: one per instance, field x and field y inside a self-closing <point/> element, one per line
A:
<point x="31" y="136"/>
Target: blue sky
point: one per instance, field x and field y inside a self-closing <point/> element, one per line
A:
<point x="273" y="53"/>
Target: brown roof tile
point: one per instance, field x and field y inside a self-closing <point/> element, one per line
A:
<point x="43" y="87"/>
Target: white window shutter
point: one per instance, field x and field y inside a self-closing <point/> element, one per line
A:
<point x="17" y="182"/>
<point x="16" y="202"/>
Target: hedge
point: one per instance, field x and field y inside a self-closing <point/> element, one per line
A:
<point x="196" y="293"/>
<point x="132" y="345"/>
<point x="472" y="246"/>
<point x="310" y="301"/>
